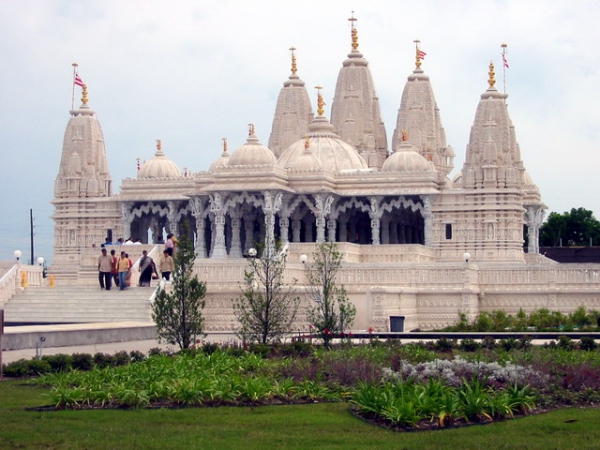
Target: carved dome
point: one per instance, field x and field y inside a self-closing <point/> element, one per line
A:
<point x="252" y="153"/>
<point x="159" y="166"/>
<point x="325" y="150"/>
<point x="223" y="160"/>
<point x="407" y="159"/>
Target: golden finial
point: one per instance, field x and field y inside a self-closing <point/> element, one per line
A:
<point x="158" y="145"/>
<point x="306" y="142"/>
<point x="419" y="54"/>
<point x="250" y="129"/>
<point x="224" y="145"/>
<point x="84" y="97"/>
<point x="404" y="135"/>
<point x="294" y="68"/>
<point x="491" y="73"/>
<point x="320" y="102"/>
<point x="353" y="33"/>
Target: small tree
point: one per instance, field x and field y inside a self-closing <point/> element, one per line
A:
<point x="177" y="311"/>
<point x="267" y="306"/>
<point x="330" y="311"/>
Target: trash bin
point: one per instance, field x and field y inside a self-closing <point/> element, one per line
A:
<point x="397" y="324"/>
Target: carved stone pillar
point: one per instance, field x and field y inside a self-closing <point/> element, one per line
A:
<point x="331" y="229"/>
<point x="375" y="214"/>
<point x="296" y="227"/>
<point x="323" y="206"/>
<point x="343" y="226"/>
<point x="126" y="217"/>
<point x="534" y="219"/>
<point x="272" y="206"/>
<point x="248" y="232"/>
<point x="216" y="206"/>
<point x="284" y="225"/>
<point x="172" y="217"/>
<point x="236" y="242"/>
<point x="198" y="213"/>
<point x="385" y="230"/>
<point x="428" y="219"/>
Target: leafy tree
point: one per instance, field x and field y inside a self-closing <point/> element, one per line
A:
<point x="267" y="306"/>
<point x="330" y="311"/>
<point x="574" y="228"/>
<point x="177" y="308"/>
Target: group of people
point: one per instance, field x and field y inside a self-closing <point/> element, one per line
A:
<point x="111" y="268"/>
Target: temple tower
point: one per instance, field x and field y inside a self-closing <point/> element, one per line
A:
<point x="84" y="213"/>
<point x="355" y="112"/>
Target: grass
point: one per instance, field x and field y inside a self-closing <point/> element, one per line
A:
<point x="328" y="426"/>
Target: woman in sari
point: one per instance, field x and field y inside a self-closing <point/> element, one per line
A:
<point x="146" y="269"/>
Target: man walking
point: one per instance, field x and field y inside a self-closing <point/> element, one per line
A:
<point x="104" y="270"/>
<point x="114" y="267"/>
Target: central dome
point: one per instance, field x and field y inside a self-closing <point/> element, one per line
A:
<point x="321" y="148"/>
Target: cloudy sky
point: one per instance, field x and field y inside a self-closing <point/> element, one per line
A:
<point x="192" y="72"/>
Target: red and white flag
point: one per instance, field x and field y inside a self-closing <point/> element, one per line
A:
<point x="504" y="61"/>
<point x="77" y="80"/>
<point x="422" y="54"/>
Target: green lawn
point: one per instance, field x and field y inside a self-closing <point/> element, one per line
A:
<point x="316" y="426"/>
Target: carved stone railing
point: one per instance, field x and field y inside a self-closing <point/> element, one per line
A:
<point x="14" y="280"/>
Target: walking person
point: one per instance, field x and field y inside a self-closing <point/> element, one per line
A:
<point x="114" y="270"/>
<point x="166" y="265"/>
<point x="129" y="273"/>
<point x="147" y="269"/>
<point x="104" y="270"/>
<point x="169" y="245"/>
<point x="123" y="269"/>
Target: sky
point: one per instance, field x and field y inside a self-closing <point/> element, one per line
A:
<point x="192" y="72"/>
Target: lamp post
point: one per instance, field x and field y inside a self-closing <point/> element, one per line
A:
<point x="17" y="255"/>
<point x="40" y="261"/>
<point x="252" y="252"/>
<point x="467" y="256"/>
<point x="303" y="258"/>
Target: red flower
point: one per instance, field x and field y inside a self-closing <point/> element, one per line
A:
<point x="326" y="331"/>
<point x="370" y="330"/>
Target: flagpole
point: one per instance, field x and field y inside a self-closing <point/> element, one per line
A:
<point x="504" y="46"/>
<point x="75" y="65"/>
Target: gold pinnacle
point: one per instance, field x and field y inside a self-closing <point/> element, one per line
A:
<point x="491" y="73"/>
<point x="353" y="32"/>
<point x="320" y="102"/>
<point x="294" y="68"/>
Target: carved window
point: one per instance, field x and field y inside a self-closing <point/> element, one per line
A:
<point x="448" y="231"/>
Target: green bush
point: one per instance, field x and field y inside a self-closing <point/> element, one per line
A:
<point x="469" y="345"/>
<point x="121" y="358"/>
<point x="16" y="368"/>
<point x="566" y="343"/>
<point x="103" y="360"/>
<point x="82" y="361"/>
<point x="588" y="344"/>
<point x="445" y="345"/>
<point x="137" y="356"/>
<point x="59" y="362"/>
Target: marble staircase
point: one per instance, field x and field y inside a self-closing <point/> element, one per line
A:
<point x="78" y="304"/>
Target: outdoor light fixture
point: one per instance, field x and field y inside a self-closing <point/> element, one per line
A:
<point x="17" y="254"/>
<point x="467" y="256"/>
<point x="40" y="261"/>
<point x="303" y="259"/>
<point x="252" y="252"/>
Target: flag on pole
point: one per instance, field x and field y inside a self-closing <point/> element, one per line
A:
<point x="422" y="54"/>
<point x="77" y="80"/>
<point x="504" y="61"/>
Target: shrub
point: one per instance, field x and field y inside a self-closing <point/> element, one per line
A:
<point x="509" y="344"/>
<point x="121" y="358"/>
<point x="588" y="344"/>
<point x="137" y="356"/>
<point x="469" y="345"/>
<point x="82" y="361"/>
<point x="155" y="351"/>
<point x="566" y="343"/>
<point x="103" y="360"/>
<point x="16" y="368"/>
<point x="488" y="343"/>
<point x="445" y="345"/>
<point x="59" y="362"/>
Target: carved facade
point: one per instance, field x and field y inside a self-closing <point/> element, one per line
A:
<point x="403" y="224"/>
